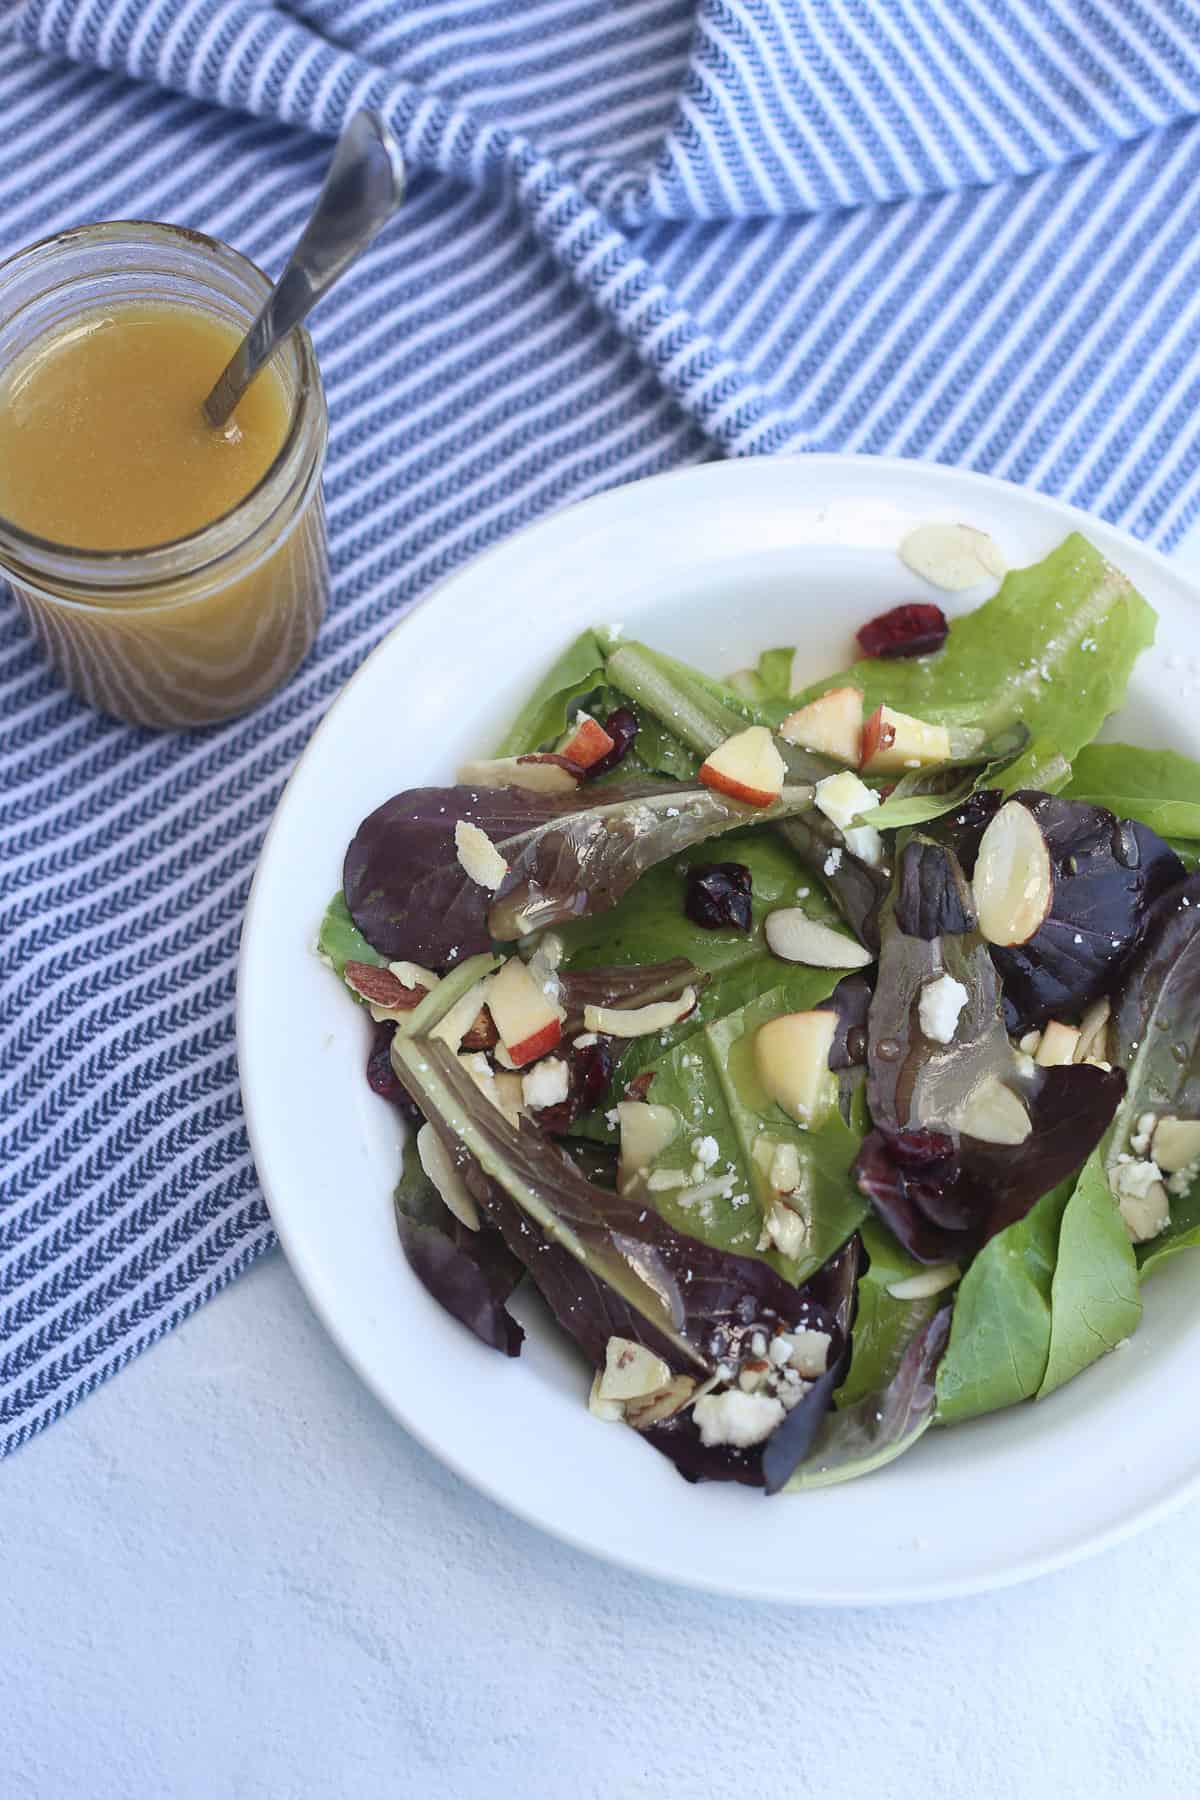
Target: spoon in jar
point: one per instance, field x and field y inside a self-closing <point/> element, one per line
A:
<point x="362" y="190"/>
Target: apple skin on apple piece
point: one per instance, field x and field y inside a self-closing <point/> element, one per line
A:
<point x="831" y="725"/>
<point x="894" y="742"/>
<point x="528" y="1020"/>
<point x="587" y="742"/>
<point x="747" y="766"/>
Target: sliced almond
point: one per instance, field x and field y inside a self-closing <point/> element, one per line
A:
<point x="994" y="1114"/>
<point x="785" y="1229"/>
<point x="541" y="774"/>
<point x="952" y="557"/>
<point x="478" y="857"/>
<point x="483" y="1034"/>
<point x="384" y="993"/>
<point x="453" y="1028"/>
<point x="1013" y="883"/>
<point x="631" y="1371"/>
<point x="929" y="1282"/>
<point x="652" y="1409"/>
<point x="785" y="1172"/>
<point x="639" y="1021"/>
<point x="1058" y="1046"/>
<point x="1093" y="1032"/>
<point x="792" y="935"/>
<point x="439" y="1166"/>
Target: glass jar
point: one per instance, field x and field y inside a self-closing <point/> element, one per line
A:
<point x="204" y="627"/>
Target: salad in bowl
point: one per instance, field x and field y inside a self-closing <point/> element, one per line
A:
<point x="821" y="1046"/>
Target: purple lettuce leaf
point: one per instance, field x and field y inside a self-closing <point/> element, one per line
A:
<point x="568" y="855"/>
<point x="472" y="1274"/>
<point x="1107" y="875"/>
<point x="610" y="1266"/>
<point x="857" y="1439"/>
<point x="625" y="985"/>
<point x="943" y="1196"/>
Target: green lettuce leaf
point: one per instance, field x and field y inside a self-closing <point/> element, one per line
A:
<point x="926" y="794"/>
<point x="1158" y="787"/>
<point x="1000" y="1333"/>
<point x="1053" y="649"/>
<point x="339" y="940"/>
<point x="883" y="1325"/>
<point x="710" y="1082"/>
<point x="649" y="925"/>
<point x="1094" y="1300"/>
<point x="576" y="674"/>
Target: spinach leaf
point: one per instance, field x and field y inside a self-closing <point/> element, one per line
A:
<point x="547" y="712"/>
<point x="1094" y="1300"/>
<point x="1000" y="1334"/>
<point x="1053" y="648"/>
<point x="1159" y="787"/>
<point x="711" y="1083"/>
<point x="339" y="940"/>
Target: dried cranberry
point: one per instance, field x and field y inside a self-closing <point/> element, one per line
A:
<point x="622" y="728"/>
<point x="718" y="896"/>
<point x="915" y="629"/>
<point x="589" y="1070"/>
<point x="382" y="1078"/>
<point x="920" y="1149"/>
<point x="640" y="1086"/>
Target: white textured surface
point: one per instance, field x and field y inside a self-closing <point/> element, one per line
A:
<point x="230" y="1575"/>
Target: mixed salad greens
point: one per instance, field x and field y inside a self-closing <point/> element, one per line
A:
<point x="825" y="1050"/>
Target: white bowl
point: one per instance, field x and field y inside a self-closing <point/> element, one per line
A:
<point x="712" y="564"/>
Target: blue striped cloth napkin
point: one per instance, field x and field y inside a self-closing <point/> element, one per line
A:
<point x="640" y="232"/>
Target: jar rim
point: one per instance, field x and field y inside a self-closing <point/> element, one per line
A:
<point x="117" y="566"/>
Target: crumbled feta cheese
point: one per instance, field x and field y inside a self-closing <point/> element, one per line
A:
<point x="736" y="1418"/>
<point x="833" y="861"/>
<point x="808" y="1350"/>
<point x="706" y="1151"/>
<point x="941" y="1003"/>
<point x="478" y="856"/>
<point x="546" y="1084"/>
<point x="586" y="1040"/>
<point x="1142" y="1198"/>
<point x="842" y="798"/>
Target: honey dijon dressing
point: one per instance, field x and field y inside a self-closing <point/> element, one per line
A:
<point x="174" y="574"/>
<point x="103" y="443"/>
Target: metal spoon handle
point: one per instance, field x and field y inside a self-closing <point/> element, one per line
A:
<point x="362" y="190"/>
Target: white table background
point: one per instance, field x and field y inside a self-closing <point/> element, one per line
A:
<point x="229" y="1574"/>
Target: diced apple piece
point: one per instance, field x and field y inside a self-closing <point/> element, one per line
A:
<point x="438" y="1164"/>
<point x="1013" y="883"/>
<point x="631" y="1371"/>
<point x="539" y="774"/>
<point x="611" y="1412"/>
<point x="791" y="1054"/>
<point x="747" y="766"/>
<point x="529" y="1022"/>
<point x="894" y="742"/>
<point x="1175" y="1144"/>
<point x="587" y="742"/>
<point x="792" y="935"/>
<point x="994" y="1114"/>
<point x="639" y="1021"/>
<point x="646" y="1130"/>
<point x="831" y="725"/>
<point x="1058" y="1045"/>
